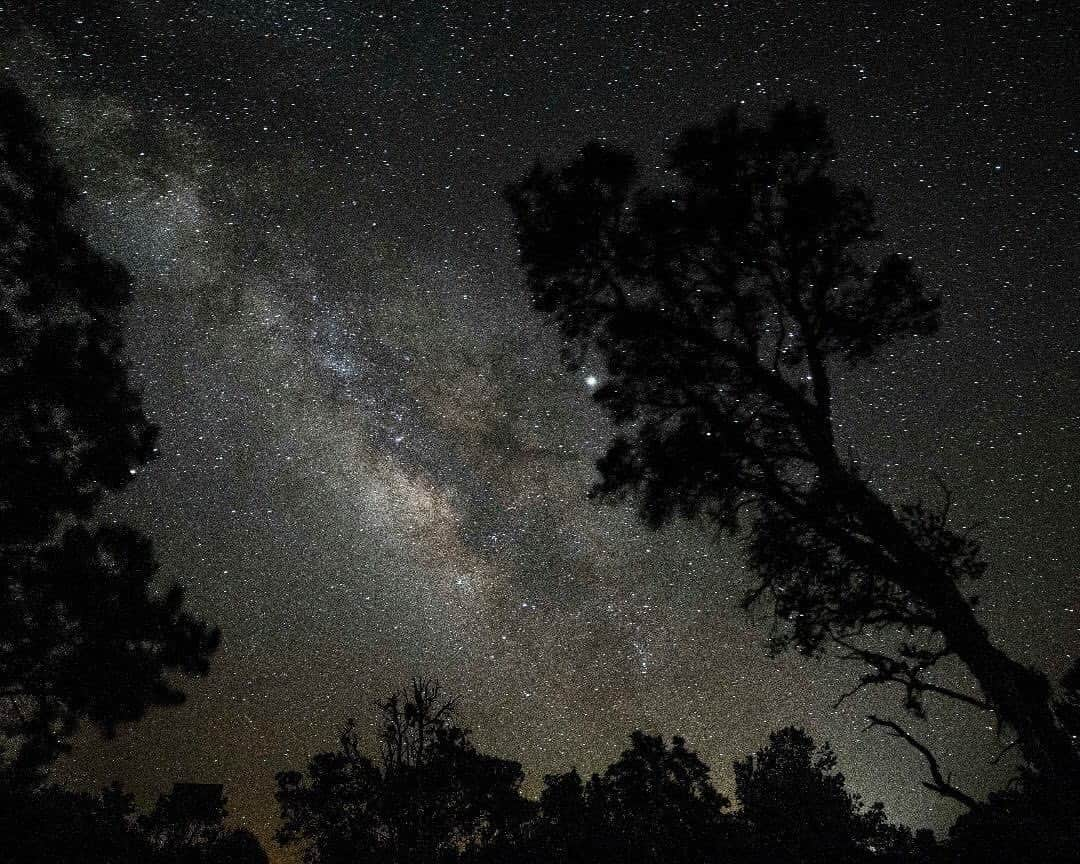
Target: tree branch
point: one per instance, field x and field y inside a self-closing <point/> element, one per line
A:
<point x="1004" y="750"/>
<point x="889" y="669"/>
<point x="941" y="783"/>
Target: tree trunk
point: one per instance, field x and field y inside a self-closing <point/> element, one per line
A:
<point x="1020" y="696"/>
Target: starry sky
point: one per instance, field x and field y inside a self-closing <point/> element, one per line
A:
<point x="372" y="464"/>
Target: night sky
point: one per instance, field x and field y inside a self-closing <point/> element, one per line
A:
<point x="372" y="464"/>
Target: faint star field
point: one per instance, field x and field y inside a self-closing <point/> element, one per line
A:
<point x="372" y="464"/>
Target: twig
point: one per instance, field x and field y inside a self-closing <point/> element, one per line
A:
<point x="947" y="492"/>
<point x="1004" y="750"/>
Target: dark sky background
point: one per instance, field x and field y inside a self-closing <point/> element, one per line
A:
<point x="372" y="464"/>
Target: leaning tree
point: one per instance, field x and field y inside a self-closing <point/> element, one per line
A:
<point x="82" y="633"/>
<point x="724" y="306"/>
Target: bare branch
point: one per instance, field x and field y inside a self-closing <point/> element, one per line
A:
<point x="942" y="784"/>
<point x="900" y="671"/>
<point x="947" y="492"/>
<point x="1004" y="750"/>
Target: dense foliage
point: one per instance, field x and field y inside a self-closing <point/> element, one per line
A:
<point x="82" y="633"/>
<point x="51" y="825"/>
<point x="430" y="796"/>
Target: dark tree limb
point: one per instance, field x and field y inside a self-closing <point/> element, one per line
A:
<point x="904" y="672"/>
<point x="942" y="783"/>
<point x="1003" y="751"/>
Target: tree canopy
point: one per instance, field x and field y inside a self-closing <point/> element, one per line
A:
<point x="83" y="635"/>
<point x="431" y="797"/>
<point x="51" y="825"/>
<point x="655" y="803"/>
<point x="797" y="806"/>
<point x="722" y="307"/>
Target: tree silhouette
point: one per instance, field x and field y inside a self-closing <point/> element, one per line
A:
<point x="722" y="307"/>
<point x="1026" y="824"/>
<point x="796" y="804"/>
<point x="564" y="829"/>
<point x="81" y="636"/>
<point x="1068" y="705"/>
<point x="187" y="816"/>
<point x="334" y="815"/>
<point x="1031" y="821"/>
<point x="433" y="797"/>
<point x="187" y="826"/>
<point x="236" y="846"/>
<point x="51" y="825"/>
<point x="655" y="803"/>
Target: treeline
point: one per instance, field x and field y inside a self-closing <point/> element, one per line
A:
<point x="53" y="825"/>
<point x="427" y="795"/>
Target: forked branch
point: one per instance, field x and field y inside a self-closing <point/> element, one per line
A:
<point x="942" y="783"/>
<point x="907" y="671"/>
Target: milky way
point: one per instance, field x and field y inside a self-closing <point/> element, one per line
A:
<point x="372" y="464"/>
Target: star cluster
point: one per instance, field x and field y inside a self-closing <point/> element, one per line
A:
<point x="372" y="464"/>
